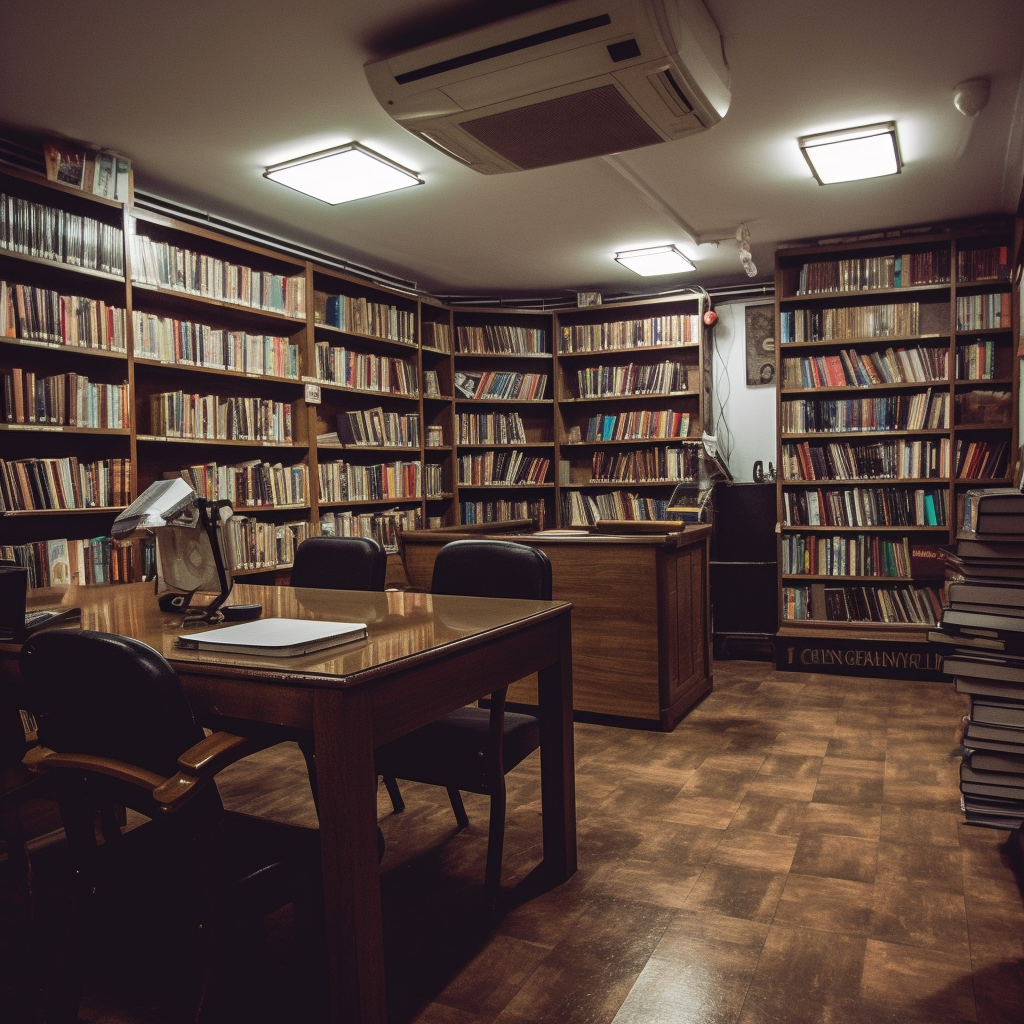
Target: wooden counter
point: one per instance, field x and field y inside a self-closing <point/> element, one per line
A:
<point x="640" y="619"/>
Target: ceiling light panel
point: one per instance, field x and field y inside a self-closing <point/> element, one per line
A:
<point x="342" y="174"/>
<point x="656" y="261"/>
<point x="853" y="153"/>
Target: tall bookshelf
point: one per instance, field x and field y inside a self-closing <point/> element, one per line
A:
<point x="313" y="400"/>
<point x="897" y="392"/>
<point x="630" y="407"/>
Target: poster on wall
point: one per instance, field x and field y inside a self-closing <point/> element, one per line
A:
<point x="760" y="344"/>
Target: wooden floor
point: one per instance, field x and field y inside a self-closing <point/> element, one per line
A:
<point x="792" y="852"/>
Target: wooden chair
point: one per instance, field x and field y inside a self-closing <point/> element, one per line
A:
<point x="473" y="748"/>
<point x="115" y="728"/>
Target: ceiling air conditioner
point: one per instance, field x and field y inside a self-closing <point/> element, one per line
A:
<point x="576" y="79"/>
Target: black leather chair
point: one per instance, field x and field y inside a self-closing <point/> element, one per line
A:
<point x="473" y="748"/>
<point x="340" y="563"/>
<point x="115" y="728"/>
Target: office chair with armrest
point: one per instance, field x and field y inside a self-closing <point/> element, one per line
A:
<point x="115" y="728"/>
<point x="473" y="748"/>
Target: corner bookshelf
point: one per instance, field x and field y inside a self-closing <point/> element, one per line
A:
<point x="503" y="419"/>
<point x="897" y="391"/>
<point x="438" y="417"/>
<point x="630" y="407"/>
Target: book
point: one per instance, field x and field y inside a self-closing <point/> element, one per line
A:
<point x="1003" y="548"/>
<point x="1005" y="738"/>
<point x="65" y="163"/>
<point x="983" y="620"/>
<point x="989" y="777"/>
<point x="993" y="761"/>
<point x="986" y="594"/>
<point x="987" y="687"/>
<point x="998" y="510"/>
<point x="996" y="713"/>
<point x="279" y="638"/>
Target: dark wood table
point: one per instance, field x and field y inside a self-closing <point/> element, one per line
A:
<point x="424" y="656"/>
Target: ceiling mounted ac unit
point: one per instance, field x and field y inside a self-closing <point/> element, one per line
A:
<point x="577" y="79"/>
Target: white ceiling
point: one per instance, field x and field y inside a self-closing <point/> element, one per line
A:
<point x="204" y="95"/>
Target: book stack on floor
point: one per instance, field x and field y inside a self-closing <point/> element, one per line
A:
<point x="981" y="633"/>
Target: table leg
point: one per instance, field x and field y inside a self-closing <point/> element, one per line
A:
<point x="343" y="739"/>
<point x="557" y="761"/>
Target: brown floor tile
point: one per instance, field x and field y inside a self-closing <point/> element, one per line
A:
<point x="752" y="849"/>
<point x="826" y="904"/>
<point x="791" y="766"/>
<point x="761" y="813"/>
<point x="938" y="867"/>
<point x="919" y="916"/>
<point x="862" y="821"/>
<point x="806" y="744"/>
<point x="836" y="857"/>
<point x="736" y="891"/>
<point x="782" y="788"/>
<point x="993" y="927"/>
<point x="927" y="826"/>
<point x="806" y="976"/>
<point x="848" y="780"/>
<point x="916" y="986"/>
<point x="864" y="744"/>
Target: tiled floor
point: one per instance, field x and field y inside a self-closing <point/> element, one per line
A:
<point x="792" y="852"/>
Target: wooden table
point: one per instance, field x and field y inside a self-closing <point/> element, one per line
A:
<point x="641" y="617"/>
<point x="424" y="656"/>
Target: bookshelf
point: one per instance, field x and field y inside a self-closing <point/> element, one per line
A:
<point x="629" y="387"/>
<point x="503" y="416"/>
<point x="898" y="391"/>
<point x="134" y="346"/>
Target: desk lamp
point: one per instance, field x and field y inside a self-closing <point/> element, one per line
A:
<point x="189" y="556"/>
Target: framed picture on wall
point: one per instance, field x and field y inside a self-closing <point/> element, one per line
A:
<point x="759" y="321"/>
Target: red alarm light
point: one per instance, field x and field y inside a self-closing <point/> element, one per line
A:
<point x="711" y="318"/>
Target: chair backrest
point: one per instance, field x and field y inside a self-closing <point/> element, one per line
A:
<point x="492" y="568"/>
<point x="340" y="563"/>
<point x="107" y="695"/>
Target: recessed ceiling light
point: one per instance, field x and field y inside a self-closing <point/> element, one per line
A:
<point x="342" y="174"/>
<point x="853" y="153"/>
<point x="661" y="259"/>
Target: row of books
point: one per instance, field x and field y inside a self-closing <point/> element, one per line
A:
<point x="641" y="425"/>
<point x="163" y="265"/>
<point x="374" y="428"/>
<point x="899" y="270"/>
<point x="505" y="338"/>
<point x="981" y="638"/>
<point x="65" y="399"/>
<point x="524" y="387"/>
<point x="256" y="544"/>
<point x="61" y="562"/>
<point x="34" y="229"/>
<point x="342" y="481"/>
<point x="888" y="320"/>
<point x="866" y="506"/>
<point x="435" y="435"/>
<point x="880" y="604"/>
<point x="645" y="465"/>
<point x="102" y="173"/>
<point x="983" y="312"/>
<point x="625" y="334"/>
<point x="976" y="360"/>
<point x="489" y="428"/>
<point x="364" y="370"/>
<point x="433" y="479"/>
<point x="581" y="508"/>
<point x="177" y="414"/>
<point x="851" y="368"/>
<point x="858" y="555"/>
<point x="362" y="316"/>
<point x="436" y="335"/>
<point x="981" y="460"/>
<point x="632" y="379"/>
<point x="502" y="511"/>
<point x="250" y="484"/>
<point x="919" y="411"/>
<point x="385" y="527"/>
<point x="64" y="483"/>
<point x="40" y="314"/>
<point x="185" y="343"/>
<point x="989" y="264"/>
<point x="898" y="459"/>
<point x="507" y="468"/>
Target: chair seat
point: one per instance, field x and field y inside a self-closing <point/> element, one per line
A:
<point x="453" y="748"/>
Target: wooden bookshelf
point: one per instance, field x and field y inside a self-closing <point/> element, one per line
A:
<point x="897" y="393"/>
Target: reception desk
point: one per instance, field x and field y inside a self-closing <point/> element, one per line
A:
<point x="640" y="618"/>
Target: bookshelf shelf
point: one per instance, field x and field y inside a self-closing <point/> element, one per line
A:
<point x="331" y="386"/>
<point x="219" y="441"/>
<point x="191" y="368"/>
<point x="55" y="346"/>
<point x="97" y="511"/>
<point x="329" y="331"/>
<point x="184" y="300"/>
<point x="913" y="317"/>
<point x="58" y="265"/>
<point x="60" y="428"/>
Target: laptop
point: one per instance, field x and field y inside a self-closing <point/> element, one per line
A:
<point x="16" y="623"/>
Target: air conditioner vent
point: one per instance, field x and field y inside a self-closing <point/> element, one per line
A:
<point x="574" y="127"/>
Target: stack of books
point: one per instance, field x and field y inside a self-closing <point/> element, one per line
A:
<point x="982" y="636"/>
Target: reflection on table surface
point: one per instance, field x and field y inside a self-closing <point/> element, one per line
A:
<point x="400" y="624"/>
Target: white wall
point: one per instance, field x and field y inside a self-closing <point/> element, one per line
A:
<point x="744" y="416"/>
